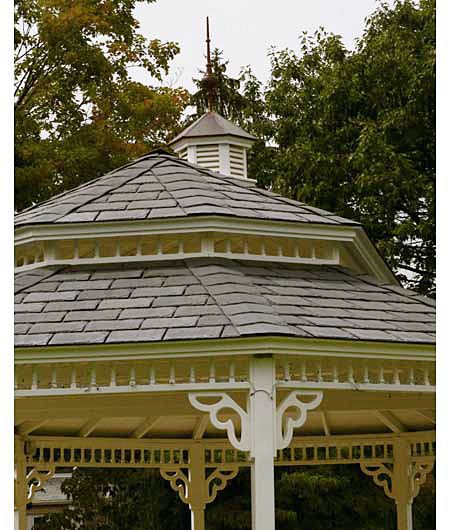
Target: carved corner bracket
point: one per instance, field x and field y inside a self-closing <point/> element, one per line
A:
<point x="381" y="475"/>
<point x="36" y="479"/>
<point x="284" y="423"/>
<point x="222" y="402"/>
<point x="218" y="480"/>
<point x="418" y="476"/>
<point x="178" y="482"/>
<point x="209" y="488"/>
<point x="394" y="482"/>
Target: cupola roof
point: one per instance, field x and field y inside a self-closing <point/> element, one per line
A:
<point x="212" y="124"/>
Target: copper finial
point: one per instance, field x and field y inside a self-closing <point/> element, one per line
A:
<point x="209" y="81"/>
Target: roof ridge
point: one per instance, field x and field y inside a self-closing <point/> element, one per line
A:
<point x="165" y="187"/>
<point x="188" y="264"/>
<point x="51" y="272"/>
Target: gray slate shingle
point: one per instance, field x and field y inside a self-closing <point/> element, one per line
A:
<point x="160" y="185"/>
<point x="238" y="300"/>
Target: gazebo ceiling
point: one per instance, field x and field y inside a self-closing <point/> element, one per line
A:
<point x="161" y="186"/>
<point x="212" y="299"/>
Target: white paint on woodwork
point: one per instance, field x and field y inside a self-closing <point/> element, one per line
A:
<point x="144" y="428"/>
<point x="88" y="427"/>
<point x="325" y="423"/>
<point x="200" y="427"/>
<point x="386" y="417"/>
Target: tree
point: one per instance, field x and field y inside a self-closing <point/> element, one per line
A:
<point x="355" y="132"/>
<point x="118" y="499"/>
<point x="351" y="131"/>
<point x="78" y="113"/>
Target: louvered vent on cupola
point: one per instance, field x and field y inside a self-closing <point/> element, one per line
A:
<point x="216" y="144"/>
<point x="208" y="156"/>
<point x="238" y="166"/>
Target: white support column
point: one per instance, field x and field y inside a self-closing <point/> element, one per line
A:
<point x="20" y="486"/>
<point x="401" y="485"/>
<point x="402" y="480"/>
<point x="262" y="411"/>
<point x="198" y="488"/>
<point x="264" y="428"/>
<point x="197" y="495"/>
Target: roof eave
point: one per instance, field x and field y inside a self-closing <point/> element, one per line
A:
<point x="252" y="345"/>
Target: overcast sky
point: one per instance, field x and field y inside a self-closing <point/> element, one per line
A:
<point x="244" y="29"/>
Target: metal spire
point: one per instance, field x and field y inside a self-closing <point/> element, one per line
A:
<point x="209" y="81"/>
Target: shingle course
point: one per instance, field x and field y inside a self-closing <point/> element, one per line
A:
<point x="160" y="186"/>
<point x="154" y="302"/>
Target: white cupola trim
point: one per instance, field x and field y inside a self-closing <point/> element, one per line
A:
<point x="216" y="144"/>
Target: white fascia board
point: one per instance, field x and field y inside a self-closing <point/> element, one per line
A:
<point x="372" y="260"/>
<point x="222" y="443"/>
<point x="227" y="348"/>
<point x="184" y="225"/>
<point x="207" y="140"/>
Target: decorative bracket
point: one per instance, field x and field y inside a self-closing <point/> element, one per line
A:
<point x="285" y="425"/>
<point x="418" y="476"/>
<point x="36" y="479"/>
<point x="217" y="481"/>
<point x="381" y="475"/>
<point x="394" y="482"/>
<point x="224" y="401"/>
<point x="211" y="485"/>
<point x="178" y="482"/>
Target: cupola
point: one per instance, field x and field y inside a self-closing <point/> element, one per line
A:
<point x="215" y="143"/>
<point x="212" y="141"/>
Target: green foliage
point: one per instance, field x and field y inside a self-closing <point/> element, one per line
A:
<point x="113" y="499"/>
<point x="228" y="101"/>
<point x="319" y="497"/>
<point x="78" y="114"/>
<point x="352" y="131"/>
<point x="355" y="132"/>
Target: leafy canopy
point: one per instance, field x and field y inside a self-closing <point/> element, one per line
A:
<point x="319" y="497"/>
<point x="118" y="499"/>
<point x="352" y="131"/>
<point x="78" y="112"/>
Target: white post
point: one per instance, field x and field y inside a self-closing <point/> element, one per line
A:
<point x="262" y="419"/>
<point x="401" y="486"/>
<point x="196" y="487"/>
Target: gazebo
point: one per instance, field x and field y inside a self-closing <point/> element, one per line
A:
<point x="173" y="315"/>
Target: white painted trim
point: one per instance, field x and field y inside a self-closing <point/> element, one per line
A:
<point x="227" y="347"/>
<point x="386" y="417"/>
<point x="185" y="225"/>
<point x="362" y="249"/>
<point x="207" y="140"/>
<point x="127" y="389"/>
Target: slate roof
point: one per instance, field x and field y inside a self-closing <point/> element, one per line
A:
<point x="213" y="298"/>
<point x="212" y="124"/>
<point x="159" y="186"/>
